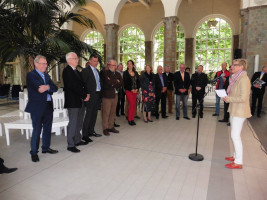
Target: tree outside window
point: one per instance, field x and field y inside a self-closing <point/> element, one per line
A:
<point x="132" y="47"/>
<point x="213" y="46"/>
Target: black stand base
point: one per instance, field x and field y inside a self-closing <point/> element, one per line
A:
<point x="196" y="157"/>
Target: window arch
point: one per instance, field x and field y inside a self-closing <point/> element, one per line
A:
<point x="95" y="39"/>
<point x="213" y="45"/>
<point x="158" y="41"/>
<point x="132" y="47"/>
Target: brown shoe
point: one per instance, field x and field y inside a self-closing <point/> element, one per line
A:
<point x="105" y="132"/>
<point x="113" y="130"/>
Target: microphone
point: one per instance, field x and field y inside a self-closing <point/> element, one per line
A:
<point x="214" y="80"/>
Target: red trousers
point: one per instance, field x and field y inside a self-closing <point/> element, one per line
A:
<point x="131" y="97"/>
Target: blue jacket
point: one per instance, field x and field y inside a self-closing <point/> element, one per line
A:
<point x="37" y="100"/>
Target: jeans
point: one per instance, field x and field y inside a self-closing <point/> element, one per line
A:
<point x="217" y="105"/>
<point x="236" y="128"/>
<point x="178" y="99"/>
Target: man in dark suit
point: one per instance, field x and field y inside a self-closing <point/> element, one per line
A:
<point x="112" y="81"/>
<point x="91" y="79"/>
<point x="121" y="94"/>
<point x="258" y="90"/>
<point x="40" y="106"/>
<point x="199" y="81"/>
<point x="170" y="77"/>
<point x="75" y="94"/>
<point x="181" y="84"/>
<point x="160" y="92"/>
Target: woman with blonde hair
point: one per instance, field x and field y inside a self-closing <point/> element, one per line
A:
<point x="238" y="96"/>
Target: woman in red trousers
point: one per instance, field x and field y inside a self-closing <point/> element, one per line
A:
<point x="131" y="85"/>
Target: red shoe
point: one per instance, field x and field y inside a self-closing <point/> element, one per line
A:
<point x="232" y="159"/>
<point x="233" y="166"/>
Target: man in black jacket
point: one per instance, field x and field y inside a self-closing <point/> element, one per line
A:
<point x="258" y="90"/>
<point x="74" y="96"/>
<point x="181" y="84"/>
<point x="92" y="84"/>
<point x="199" y="81"/>
<point x="160" y="92"/>
<point x="169" y="77"/>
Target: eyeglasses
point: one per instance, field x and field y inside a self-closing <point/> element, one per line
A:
<point x="235" y="65"/>
<point x="74" y="58"/>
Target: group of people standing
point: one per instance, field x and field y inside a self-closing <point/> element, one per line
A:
<point x="88" y="90"/>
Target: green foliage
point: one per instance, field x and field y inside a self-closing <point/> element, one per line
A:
<point x="213" y="46"/>
<point x="30" y="27"/>
<point x="132" y="47"/>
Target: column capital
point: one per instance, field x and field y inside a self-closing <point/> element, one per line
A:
<point x="173" y="19"/>
<point x="111" y="26"/>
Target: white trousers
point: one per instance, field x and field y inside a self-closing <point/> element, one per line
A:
<point x="236" y="128"/>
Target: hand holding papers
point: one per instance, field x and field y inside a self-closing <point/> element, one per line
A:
<point x="258" y="82"/>
<point x="221" y="93"/>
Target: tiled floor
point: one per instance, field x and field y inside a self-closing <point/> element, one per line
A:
<point x="144" y="162"/>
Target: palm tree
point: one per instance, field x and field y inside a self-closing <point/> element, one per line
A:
<point x="32" y="27"/>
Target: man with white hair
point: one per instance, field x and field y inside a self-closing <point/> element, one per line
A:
<point x="74" y="96"/>
<point x="111" y="82"/>
<point x="160" y="92"/>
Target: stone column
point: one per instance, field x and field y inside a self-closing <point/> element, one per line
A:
<point x="189" y="53"/>
<point x="111" y="41"/>
<point x="148" y="52"/>
<point x="170" y="26"/>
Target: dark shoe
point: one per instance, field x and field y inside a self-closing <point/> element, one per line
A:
<point x="130" y="123"/>
<point x="106" y="133"/>
<point x="95" y="135"/>
<point x="146" y="121"/>
<point x="215" y="114"/>
<point x="35" y="158"/>
<point x="51" y="151"/>
<point x="116" y="125"/>
<point x="87" y="139"/>
<point x="223" y="120"/>
<point x="228" y="124"/>
<point x="149" y="120"/>
<point x="122" y="114"/>
<point x="193" y="116"/>
<point x="258" y="115"/>
<point x="201" y="116"/>
<point x="113" y="130"/>
<point x="177" y="118"/>
<point x="133" y="122"/>
<point x="187" y="118"/>
<point x="165" y="116"/>
<point x="137" y="117"/>
<point x="81" y="143"/>
<point x="73" y="149"/>
<point x="6" y="170"/>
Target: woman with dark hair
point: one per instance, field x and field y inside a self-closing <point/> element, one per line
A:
<point x="148" y="92"/>
<point x="131" y="86"/>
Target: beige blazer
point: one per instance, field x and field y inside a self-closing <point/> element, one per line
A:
<point x="239" y="98"/>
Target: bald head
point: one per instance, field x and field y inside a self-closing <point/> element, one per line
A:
<point x="224" y="66"/>
<point x="182" y="67"/>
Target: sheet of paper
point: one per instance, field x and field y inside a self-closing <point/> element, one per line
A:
<point x="221" y="93"/>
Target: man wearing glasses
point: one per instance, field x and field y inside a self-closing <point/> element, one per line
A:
<point x="40" y="106"/>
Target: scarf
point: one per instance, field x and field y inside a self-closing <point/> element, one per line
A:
<point x="233" y="79"/>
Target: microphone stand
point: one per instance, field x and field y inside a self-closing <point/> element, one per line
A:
<point x="195" y="156"/>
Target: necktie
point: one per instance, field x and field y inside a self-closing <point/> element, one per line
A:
<point x="182" y="76"/>
<point x="98" y="87"/>
<point x="261" y="75"/>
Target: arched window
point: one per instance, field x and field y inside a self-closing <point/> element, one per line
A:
<point x="213" y="45"/>
<point x="132" y="47"/>
<point x="95" y="39"/>
<point x="158" y="42"/>
<point x="159" y="47"/>
<point x="180" y="46"/>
